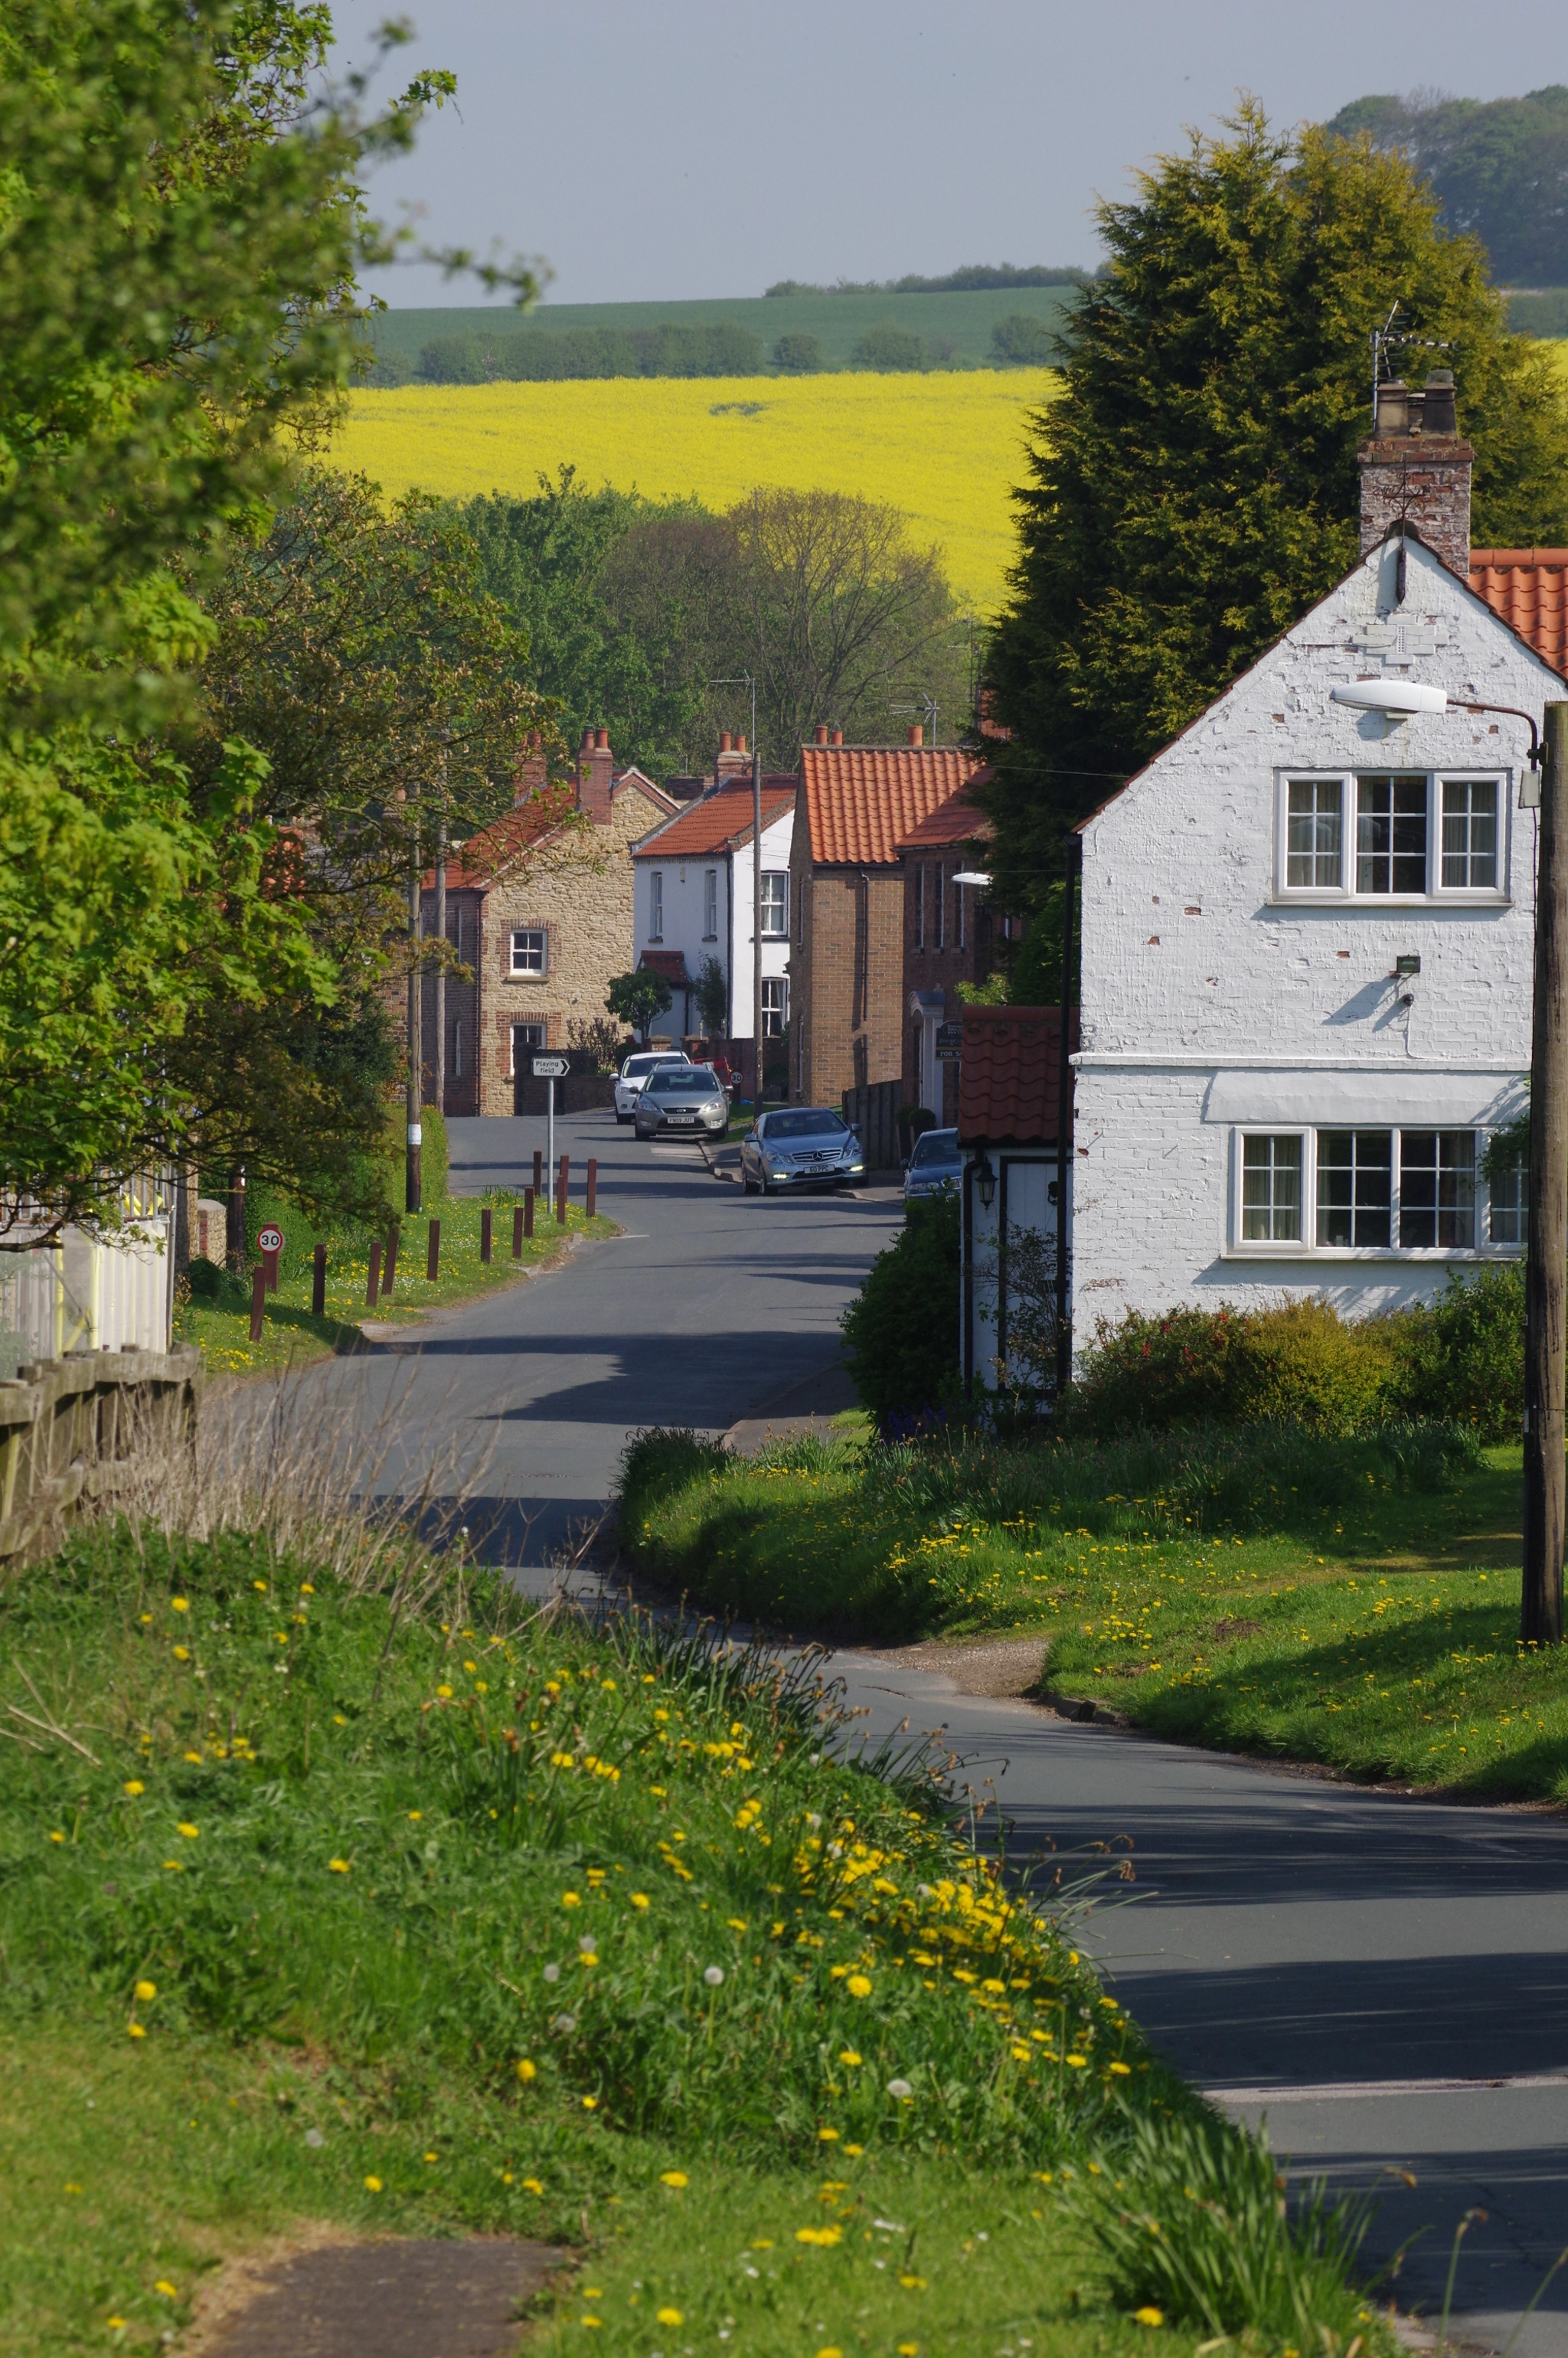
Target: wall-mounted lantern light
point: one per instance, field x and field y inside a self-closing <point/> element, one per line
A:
<point x="985" y="1180"/>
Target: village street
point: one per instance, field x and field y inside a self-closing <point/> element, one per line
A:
<point x="1303" y="1950"/>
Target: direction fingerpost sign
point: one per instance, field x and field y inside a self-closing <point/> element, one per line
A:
<point x="551" y="1068"/>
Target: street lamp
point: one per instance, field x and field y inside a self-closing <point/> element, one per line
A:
<point x="1546" y="1266"/>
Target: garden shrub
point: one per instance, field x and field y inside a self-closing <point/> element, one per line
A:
<point x="1462" y="1357"/>
<point x="1299" y="1364"/>
<point x="900" y="1332"/>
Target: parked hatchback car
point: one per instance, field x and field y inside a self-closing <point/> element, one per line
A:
<point x="634" y="1072"/>
<point x="800" y="1146"/>
<point x="676" y="1098"/>
<point x="935" y="1166"/>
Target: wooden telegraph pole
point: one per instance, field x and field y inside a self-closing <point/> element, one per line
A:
<point x="412" y="1193"/>
<point x="1546" y="1270"/>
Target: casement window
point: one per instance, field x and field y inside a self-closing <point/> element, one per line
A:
<point x="775" y="1005"/>
<point x="1390" y="836"/>
<point x="775" y="905"/>
<point x="656" y="905"/>
<point x="710" y="904"/>
<point x="1380" y="1191"/>
<point x="524" y="1037"/>
<point x="530" y="950"/>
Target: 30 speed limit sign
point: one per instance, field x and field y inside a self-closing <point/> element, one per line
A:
<point x="269" y="1240"/>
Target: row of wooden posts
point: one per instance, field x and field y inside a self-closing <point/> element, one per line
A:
<point x="383" y="1270"/>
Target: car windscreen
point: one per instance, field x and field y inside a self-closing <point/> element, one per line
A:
<point x="808" y="1121"/>
<point x="635" y="1067"/>
<point x="678" y="1081"/>
<point x="939" y="1147"/>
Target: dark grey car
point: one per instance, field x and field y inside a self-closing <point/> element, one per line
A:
<point x="800" y="1146"/>
<point x="679" y="1100"/>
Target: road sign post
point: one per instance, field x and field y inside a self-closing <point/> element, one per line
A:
<point x="549" y="1069"/>
<point x="269" y="1244"/>
<point x="318" y="1281"/>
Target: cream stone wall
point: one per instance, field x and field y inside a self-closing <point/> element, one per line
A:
<point x="582" y="896"/>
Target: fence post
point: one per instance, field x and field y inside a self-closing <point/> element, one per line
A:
<point x="318" y="1281"/>
<point x="258" y="1304"/>
<point x="486" y="1234"/>
<point x="372" y="1283"/>
<point x="517" y="1231"/>
<point x="538" y="1171"/>
<point x="433" y="1254"/>
<point x="561" y="1192"/>
<point x="526" y="1214"/>
<point x="592" y="1184"/>
<point x="389" y="1268"/>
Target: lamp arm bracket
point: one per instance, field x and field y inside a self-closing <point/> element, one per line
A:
<point x="1537" y="751"/>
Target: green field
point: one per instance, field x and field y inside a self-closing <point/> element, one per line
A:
<point x="839" y="320"/>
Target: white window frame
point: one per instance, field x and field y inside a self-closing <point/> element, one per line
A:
<point x="779" y="983"/>
<point x="1242" y="1248"/>
<point x="655" y="904"/>
<point x="780" y="877"/>
<point x="1437" y="894"/>
<point x="518" y="1033"/>
<point x="540" y="934"/>
<point x="710" y="904"/>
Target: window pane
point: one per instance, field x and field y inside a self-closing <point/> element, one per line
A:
<point x="1437" y="1189"/>
<point x="1391" y="834"/>
<point x="1272" y="1190"/>
<point x="775" y="1002"/>
<point x="1354" y="1187"/>
<point x="1312" y="850"/>
<point x="528" y="953"/>
<point x="1470" y="834"/>
<point x="1508" y="1221"/>
<point x="775" y="886"/>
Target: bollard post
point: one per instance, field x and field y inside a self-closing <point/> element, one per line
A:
<point x="258" y="1303"/>
<point x="517" y="1231"/>
<point x="372" y="1283"/>
<point x="486" y="1234"/>
<point x="389" y="1266"/>
<point x="538" y="1171"/>
<point x="526" y="1214"/>
<point x="433" y="1253"/>
<point x="318" y="1281"/>
<point x="592" y="1184"/>
<point x="561" y="1192"/>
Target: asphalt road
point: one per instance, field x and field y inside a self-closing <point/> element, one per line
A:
<point x="1308" y="1953"/>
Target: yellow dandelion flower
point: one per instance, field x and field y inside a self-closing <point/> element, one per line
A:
<point x="444" y="1693"/>
<point x="182" y="1653"/>
<point x="1078" y="2062"/>
<point x="824" y="2237"/>
<point x="179" y="1604"/>
<point x="532" y="2186"/>
<point x="1122" y="2071"/>
<point x="187" y="1830"/>
<point x="374" y="2184"/>
<point x="414" y="1816"/>
<point x="571" y="1899"/>
<point x="639" y="1899"/>
<point x="527" y="2071"/>
<point x="672" y="2317"/>
<point x="135" y="1786"/>
<point x="847" y="2055"/>
<point x="591" y="2103"/>
<point x="114" y="2323"/>
<point x="57" y="1835"/>
<point x="168" y="2291"/>
<point x="909" y="2350"/>
<point x="913" y="2284"/>
<point x="135" y="2030"/>
<point x="1149" y="2317"/>
<point x="826" y="2136"/>
<point x="676" y="2177"/>
<point x="337" y="1866"/>
<point x="859" y="1985"/>
<point x="146" y="1991"/>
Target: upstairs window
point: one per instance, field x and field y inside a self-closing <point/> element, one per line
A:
<point x="775" y="905"/>
<point x="656" y="905"/>
<point x="1312" y="859"/>
<point x="530" y="952"/>
<point x="1390" y="836"/>
<point x="1470" y="834"/>
<point x="710" y="904"/>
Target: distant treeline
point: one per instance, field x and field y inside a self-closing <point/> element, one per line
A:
<point x="1497" y="166"/>
<point x="538" y="355"/>
<point x="972" y="278"/>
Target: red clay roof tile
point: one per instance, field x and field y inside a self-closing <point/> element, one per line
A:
<point x="955" y="821"/>
<point x="1009" y="1074"/>
<point x="1528" y="589"/>
<point x="720" y="821"/>
<point x="862" y="801"/>
<point x="671" y="964"/>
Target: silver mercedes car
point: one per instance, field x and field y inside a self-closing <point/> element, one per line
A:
<point x="800" y="1146"/>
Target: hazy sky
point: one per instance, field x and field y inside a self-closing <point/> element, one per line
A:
<point x="656" y="149"/>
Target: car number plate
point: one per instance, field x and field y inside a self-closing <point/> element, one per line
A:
<point x="687" y="1117"/>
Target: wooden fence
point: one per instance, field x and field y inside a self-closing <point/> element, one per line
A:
<point x="71" y="1429"/>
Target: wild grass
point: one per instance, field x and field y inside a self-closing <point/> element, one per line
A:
<point x="1354" y="1602"/>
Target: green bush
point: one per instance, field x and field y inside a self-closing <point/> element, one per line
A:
<point x="1021" y="342"/>
<point x="798" y="354"/>
<point x="900" y="1332"/>
<point x="1462" y="1357"/>
<point x="889" y="346"/>
<point x="1300" y="1364"/>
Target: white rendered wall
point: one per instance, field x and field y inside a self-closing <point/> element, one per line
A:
<point x="684" y="905"/>
<point x="1211" y="1001"/>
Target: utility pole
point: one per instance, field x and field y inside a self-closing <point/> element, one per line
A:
<point x="441" y="936"/>
<point x="1546" y="1267"/>
<point x="412" y="1190"/>
<point x="757" y="910"/>
<point x="1063" y="1124"/>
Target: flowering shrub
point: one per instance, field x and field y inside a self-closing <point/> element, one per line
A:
<point x="1300" y="1364"/>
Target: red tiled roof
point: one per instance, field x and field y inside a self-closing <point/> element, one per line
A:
<point x="863" y="801"/>
<point x="1009" y="1074"/>
<point x="1528" y="589"/>
<point x="955" y="821"/>
<point x="718" y="821"/>
<point x="671" y="964"/>
<point x="494" y="847"/>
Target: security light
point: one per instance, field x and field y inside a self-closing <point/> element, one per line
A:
<point x="971" y="876"/>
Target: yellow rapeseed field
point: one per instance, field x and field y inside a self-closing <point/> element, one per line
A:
<point x="946" y="448"/>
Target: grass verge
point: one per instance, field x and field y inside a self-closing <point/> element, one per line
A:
<point x="336" y="1886"/>
<point x="292" y="1335"/>
<point x="1354" y="1603"/>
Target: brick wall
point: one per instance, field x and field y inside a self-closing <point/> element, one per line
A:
<point x="1426" y="479"/>
<point x="846" y="979"/>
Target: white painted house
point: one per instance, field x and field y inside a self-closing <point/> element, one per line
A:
<point x="693" y="900"/>
<point x="1307" y="940"/>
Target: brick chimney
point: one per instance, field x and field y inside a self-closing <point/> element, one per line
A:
<point x="917" y="732"/>
<point x="529" y="776"/>
<point x="594" y="769"/>
<point x="1416" y="467"/>
<point x="733" y="761"/>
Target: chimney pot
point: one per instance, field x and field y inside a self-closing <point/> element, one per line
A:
<point x="917" y="732"/>
<point x="739" y="741"/>
<point x="1393" y="409"/>
<point x="587" y="745"/>
<point x="726" y="743"/>
<point x="822" y="732"/>
<point x="836" y="738"/>
<point x="601" y="740"/>
<point x="1438" y="415"/>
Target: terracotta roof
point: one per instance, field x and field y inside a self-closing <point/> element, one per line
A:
<point x="494" y="847"/>
<point x="862" y="801"/>
<point x="671" y="964"/>
<point x="955" y="821"/>
<point x="1009" y="1074"/>
<point x="1528" y="589"/>
<point x="720" y="821"/>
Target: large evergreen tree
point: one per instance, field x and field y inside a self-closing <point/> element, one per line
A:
<point x="1193" y="488"/>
